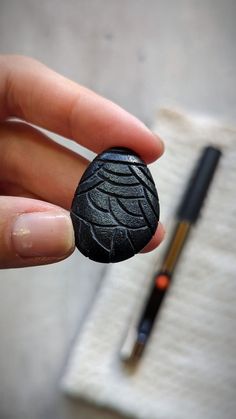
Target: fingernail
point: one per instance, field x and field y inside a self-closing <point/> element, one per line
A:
<point x="162" y="144"/>
<point x="156" y="239"/>
<point x="44" y="234"/>
<point x="162" y="230"/>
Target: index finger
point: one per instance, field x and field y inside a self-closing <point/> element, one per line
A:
<point x="31" y="91"/>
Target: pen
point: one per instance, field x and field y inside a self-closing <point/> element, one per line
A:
<point x="186" y="216"/>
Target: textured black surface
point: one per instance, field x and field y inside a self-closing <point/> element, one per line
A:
<point x="115" y="209"/>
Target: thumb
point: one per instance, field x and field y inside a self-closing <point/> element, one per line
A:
<point x="33" y="232"/>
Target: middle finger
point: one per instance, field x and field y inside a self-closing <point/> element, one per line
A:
<point x="33" y="162"/>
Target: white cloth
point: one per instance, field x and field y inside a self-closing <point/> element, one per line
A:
<point x="189" y="367"/>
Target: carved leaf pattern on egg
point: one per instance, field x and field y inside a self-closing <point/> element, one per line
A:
<point x="115" y="210"/>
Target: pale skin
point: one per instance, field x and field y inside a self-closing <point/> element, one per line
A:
<point x="38" y="177"/>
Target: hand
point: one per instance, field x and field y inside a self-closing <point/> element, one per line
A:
<point x="38" y="177"/>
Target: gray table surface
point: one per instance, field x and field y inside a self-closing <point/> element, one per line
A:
<point x="142" y="55"/>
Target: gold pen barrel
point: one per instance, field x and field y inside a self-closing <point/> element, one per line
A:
<point x="175" y="247"/>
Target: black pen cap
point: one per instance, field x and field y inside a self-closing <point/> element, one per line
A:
<point x="198" y="185"/>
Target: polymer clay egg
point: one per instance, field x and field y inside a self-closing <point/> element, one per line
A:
<point x="115" y="209"/>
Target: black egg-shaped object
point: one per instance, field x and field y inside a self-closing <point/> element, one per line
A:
<point x="115" y="209"/>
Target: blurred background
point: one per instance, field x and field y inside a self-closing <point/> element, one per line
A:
<point x="142" y="54"/>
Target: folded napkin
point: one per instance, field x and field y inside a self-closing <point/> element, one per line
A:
<point x="189" y="366"/>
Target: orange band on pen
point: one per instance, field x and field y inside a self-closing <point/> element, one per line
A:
<point x="162" y="282"/>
